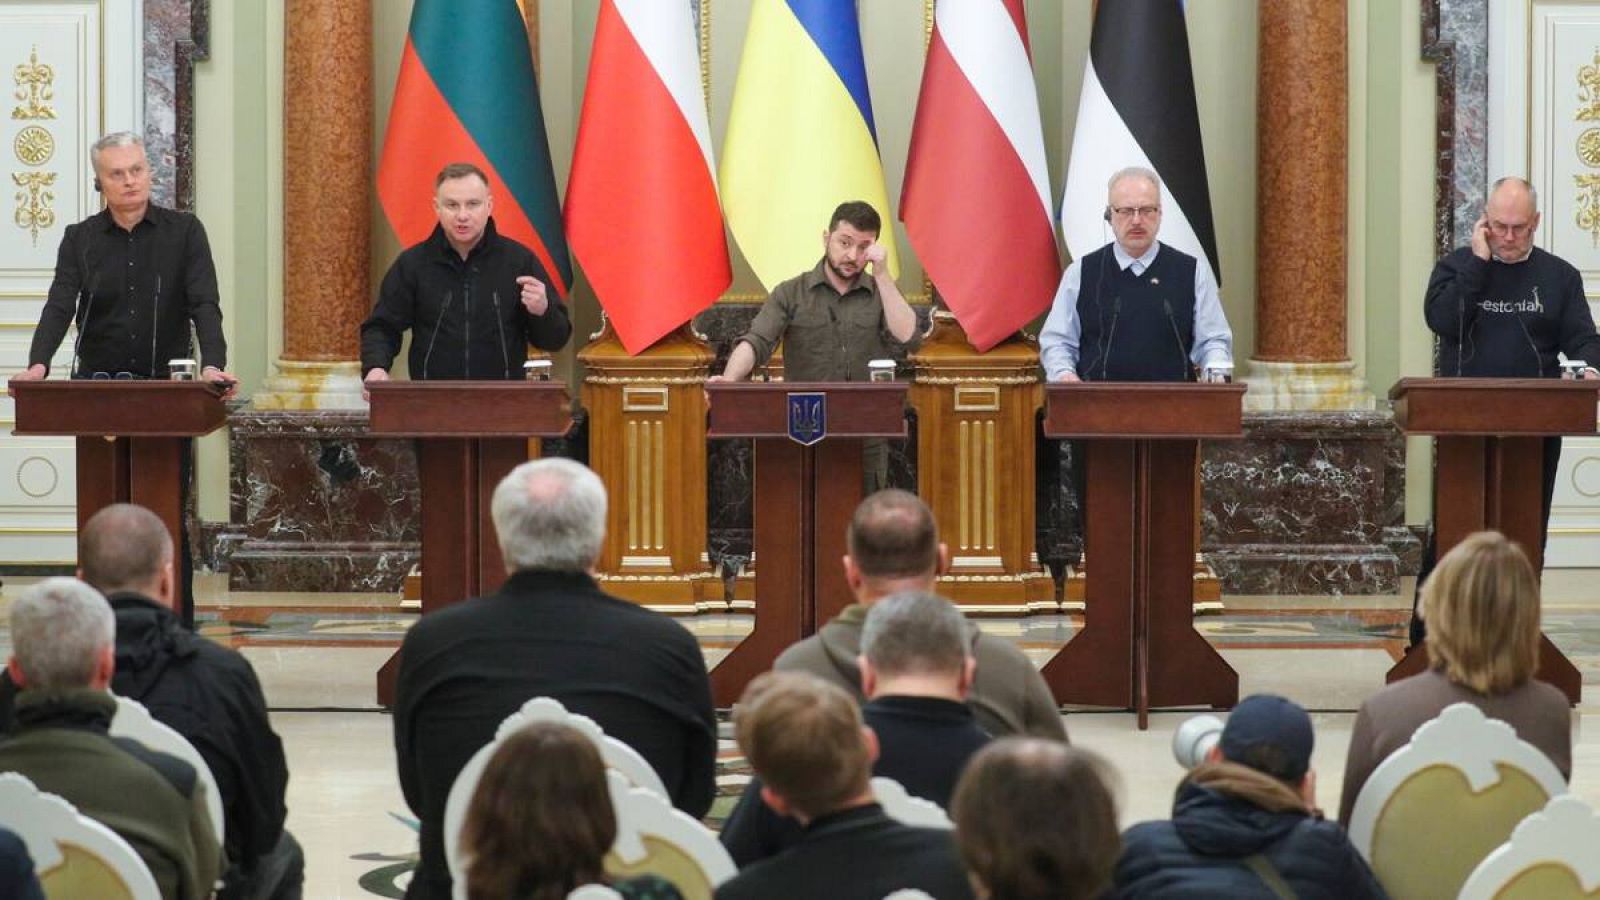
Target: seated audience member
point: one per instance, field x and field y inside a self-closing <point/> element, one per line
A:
<point x="915" y="669"/>
<point x="17" y="878"/>
<point x="1481" y="606"/>
<point x="894" y="546"/>
<point x="1245" y="823"/>
<point x="1036" y="820"/>
<point x="63" y="638"/>
<point x="549" y="631"/>
<point x="541" y="821"/>
<point x="806" y="741"/>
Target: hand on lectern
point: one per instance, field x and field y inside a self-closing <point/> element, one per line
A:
<point x="35" y="372"/>
<point x="373" y="375"/>
<point x="1069" y="376"/>
<point x="226" y="380"/>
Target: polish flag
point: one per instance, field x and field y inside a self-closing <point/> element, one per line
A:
<point x="642" y="213"/>
<point x="976" y="201"/>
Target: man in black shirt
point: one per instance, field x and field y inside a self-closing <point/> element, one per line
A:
<point x="1503" y="308"/>
<point x="472" y="298"/>
<point x="134" y="276"/>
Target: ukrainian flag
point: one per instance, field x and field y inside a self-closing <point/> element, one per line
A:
<point x="800" y="139"/>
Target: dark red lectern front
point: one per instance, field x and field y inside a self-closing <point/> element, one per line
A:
<point x="470" y="434"/>
<point x="1490" y="462"/>
<point x="804" y="496"/>
<point x="1138" y="647"/>
<point x="130" y="437"/>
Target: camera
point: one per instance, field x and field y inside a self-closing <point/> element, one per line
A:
<point x="1194" y="739"/>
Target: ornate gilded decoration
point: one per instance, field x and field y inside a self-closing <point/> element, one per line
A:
<point x="1587" y="216"/>
<point x="35" y="88"/>
<point x="34" y="146"/>
<point x="34" y="212"/>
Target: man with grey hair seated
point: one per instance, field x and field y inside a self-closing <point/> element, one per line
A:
<point x="62" y="635"/>
<point x="917" y="669"/>
<point x="548" y="632"/>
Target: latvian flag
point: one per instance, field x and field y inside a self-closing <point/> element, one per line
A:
<point x="979" y="113"/>
<point x="1138" y="109"/>
<point x="642" y="207"/>
<point x="466" y="93"/>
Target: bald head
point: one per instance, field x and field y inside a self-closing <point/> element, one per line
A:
<point x="125" y="547"/>
<point x="892" y="535"/>
<point x="1512" y="218"/>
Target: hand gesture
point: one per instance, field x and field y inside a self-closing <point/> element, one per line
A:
<point x="1480" y="238"/>
<point x="879" y="257"/>
<point x="534" y="299"/>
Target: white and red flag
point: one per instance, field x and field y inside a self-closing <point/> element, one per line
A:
<point x="642" y="212"/>
<point x="976" y="200"/>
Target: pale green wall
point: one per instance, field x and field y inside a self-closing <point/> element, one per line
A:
<point x="239" y="157"/>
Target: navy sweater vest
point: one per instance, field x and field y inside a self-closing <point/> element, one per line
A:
<point x="1136" y="327"/>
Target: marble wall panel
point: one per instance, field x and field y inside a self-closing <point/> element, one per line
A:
<point x="1455" y="36"/>
<point x="177" y="34"/>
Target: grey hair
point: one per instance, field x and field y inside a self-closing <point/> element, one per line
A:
<point x="915" y="633"/>
<point x="1135" y="172"/>
<point x="1527" y="185"/>
<point x="550" y="514"/>
<point x="114" y="139"/>
<point x="58" y="627"/>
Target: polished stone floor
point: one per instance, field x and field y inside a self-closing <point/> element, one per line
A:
<point x="316" y="654"/>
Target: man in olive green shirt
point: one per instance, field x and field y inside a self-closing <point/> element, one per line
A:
<point x="834" y="319"/>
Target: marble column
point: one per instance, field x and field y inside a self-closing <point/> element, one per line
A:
<point x="1301" y="361"/>
<point x="327" y="181"/>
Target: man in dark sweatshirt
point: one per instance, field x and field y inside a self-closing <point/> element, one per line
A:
<point x="1503" y="308"/>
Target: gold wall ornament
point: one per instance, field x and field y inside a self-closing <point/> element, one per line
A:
<point x="1588" y="214"/>
<point x="36" y="88"/>
<point x="34" y="146"/>
<point x="34" y="201"/>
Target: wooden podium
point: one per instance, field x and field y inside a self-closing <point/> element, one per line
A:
<point x="1490" y="470"/>
<point x="1138" y="647"/>
<point x="804" y="496"/>
<point x="130" y="436"/>
<point x="470" y="434"/>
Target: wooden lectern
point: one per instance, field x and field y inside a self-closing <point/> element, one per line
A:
<point x="1490" y="470"/>
<point x="130" y="437"/>
<point x="470" y="434"/>
<point x="1138" y="647"/>
<point x="807" y="486"/>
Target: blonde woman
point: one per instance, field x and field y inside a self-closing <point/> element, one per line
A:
<point x="1481" y="607"/>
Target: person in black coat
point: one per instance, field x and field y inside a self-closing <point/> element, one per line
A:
<point x="916" y="669"/>
<point x="17" y="879"/>
<point x="1244" y="823"/>
<point x="548" y="632"/>
<point x="805" y="739"/>
<point x="472" y="298"/>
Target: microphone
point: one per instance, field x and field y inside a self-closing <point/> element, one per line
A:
<point x="1111" y="336"/>
<point x="1100" y="313"/>
<point x="155" y="320"/>
<point x="1461" y="330"/>
<point x="1538" y="359"/>
<point x="87" y="302"/>
<point x="434" y="338"/>
<point x="1177" y="337"/>
<point x="505" y="357"/>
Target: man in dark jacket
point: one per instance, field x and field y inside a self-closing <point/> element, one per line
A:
<point x="549" y="631"/>
<point x="916" y="668"/>
<point x="473" y="299"/>
<point x="204" y="691"/>
<point x="1245" y="822"/>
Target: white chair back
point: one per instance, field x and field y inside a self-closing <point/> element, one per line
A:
<point x="133" y="720"/>
<point x="1553" y="854"/>
<point x="74" y="855"/>
<point x="903" y="807"/>
<point x="1462" y="768"/>
<point x="909" y="894"/>
<point x="653" y="838"/>
<point x="617" y="756"/>
<point x="594" y="892"/>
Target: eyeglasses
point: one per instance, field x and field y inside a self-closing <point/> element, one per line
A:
<point x="1130" y="212"/>
<point x="1505" y="229"/>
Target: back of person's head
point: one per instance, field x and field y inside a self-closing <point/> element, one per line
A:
<point x="540" y="822"/>
<point x="550" y="514"/>
<point x="892" y="536"/>
<point x="803" y="736"/>
<point x="1037" y="820"/>
<point x="60" y="630"/>
<point x="1270" y="734"/>
<point x="913" y="633"/>
<point x="124" y="547"/>
<point x="1481" y="605"/>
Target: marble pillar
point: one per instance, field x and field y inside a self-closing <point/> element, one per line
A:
<point x="327" y="179"/>
<point x="1301" y="361"/>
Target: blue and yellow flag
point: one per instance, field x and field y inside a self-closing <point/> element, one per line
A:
<point x="801" y="139"/>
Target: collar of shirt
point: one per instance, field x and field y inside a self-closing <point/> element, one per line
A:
<point x="446" y="249"/>
<point x="153" y="217"/>
<point x="1140" y="263"/>
<point x="818" y="277"/>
